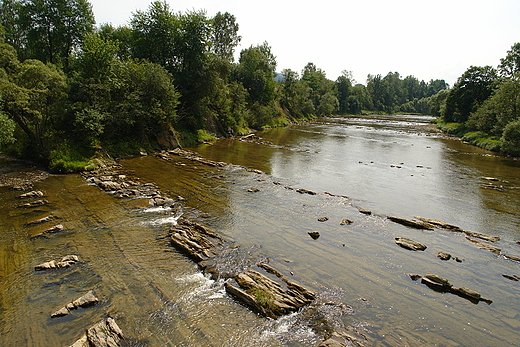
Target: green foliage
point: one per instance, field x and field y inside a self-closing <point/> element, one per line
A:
<point x="7" y="127"/>
<point x="67" y="159"/>
<point x="452" y="128"/>
<point x="470" y="91"/>
<point x="53" y="29"/>
<point x="498" y="110"/>
<point x="510" y="65"/>
<point x="34" y="97"/>
<point x="203" y="136"/>
<point x="224" y="35"/>
<point x="511" y="139"/>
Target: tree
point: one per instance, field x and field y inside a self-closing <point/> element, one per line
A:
<point x="256" y="72"/>
<point x="55" y="28"/>
<point x="34" y="98"/>
<point x="224" y="35"/>
<point x="511" y="139"/>
<point x="323" y="90"/>
<point x="155" y="34"/>
<point x="510" y="65"/>
<point x="469" y="92"/>
<point x="7" y="127"/>
<point x="498" y="110"/>
<point x="344" y="86"/>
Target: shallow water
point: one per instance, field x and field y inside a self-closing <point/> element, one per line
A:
<point x="160" y="298"/>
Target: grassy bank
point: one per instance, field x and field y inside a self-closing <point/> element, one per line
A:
<point x="476" y="138"/>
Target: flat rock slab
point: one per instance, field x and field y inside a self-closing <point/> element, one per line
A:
<point x="440" y="224"/>
<point x="105" y="333"/>
<point x="86" y="300"/>
<point x="410" y="244"/>
<point x="411" y="223"/>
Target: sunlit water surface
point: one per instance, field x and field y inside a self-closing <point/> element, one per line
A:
<point x="392" y="165"/>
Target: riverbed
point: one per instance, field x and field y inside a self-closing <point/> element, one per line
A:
<point x="389" y="165"/>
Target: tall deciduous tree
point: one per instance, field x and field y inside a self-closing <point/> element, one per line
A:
<point x="510" y="65"/>
<point x="469" y="92"/>
<point x="55" y="28"/>
<point x="224" y="35"/>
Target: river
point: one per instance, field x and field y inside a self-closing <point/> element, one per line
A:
<point x="390" y="165"/>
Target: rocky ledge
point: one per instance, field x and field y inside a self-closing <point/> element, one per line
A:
<point x="270" y="297"/>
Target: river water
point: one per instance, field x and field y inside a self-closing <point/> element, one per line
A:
<point x="390" y="165"/>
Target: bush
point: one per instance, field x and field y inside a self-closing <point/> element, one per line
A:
<point x="511" y="139"/>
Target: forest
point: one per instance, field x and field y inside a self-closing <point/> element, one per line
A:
<point x="71" y="90"/>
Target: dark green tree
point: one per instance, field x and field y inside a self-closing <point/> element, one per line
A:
<point x="225" y="36"/>
<point x="54" y="28"/>
<point x="469" y="92"/>
<point x="510" y="65"/>
<point x="498" y="110"/>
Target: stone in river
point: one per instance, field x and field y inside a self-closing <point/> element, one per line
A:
<point x="314" y="234"/>
<point x="410" y="244"/>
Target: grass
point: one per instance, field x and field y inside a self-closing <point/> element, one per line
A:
<point x="476" y="138"/>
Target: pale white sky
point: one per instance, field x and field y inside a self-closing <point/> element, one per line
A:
<point x="430" y="39"/>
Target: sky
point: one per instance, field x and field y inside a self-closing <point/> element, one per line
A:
<point x="429" y="39"/>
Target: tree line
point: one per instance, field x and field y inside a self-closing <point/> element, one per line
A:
<point x="69" y="88"/>
<point x="484" y="105"/>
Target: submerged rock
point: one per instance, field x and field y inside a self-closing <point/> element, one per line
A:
<point x="86" y="300"/>
<point x="323" y="219"/>
<point x="482" y="236"/>
<point x="55" y="229"/>
<point x="32" y="194"/>
<point x="34" y="204"/>
<point x="65" y="262"/>
<point x="332" y="343"/>
<point x="105" y="333"/>
<point x="42" y="220"/>
<point x="410" y="244"/>
<point x="444" y="255"/>
<point x="485" y="246"/>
